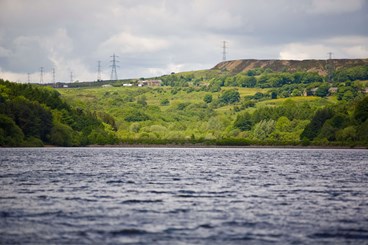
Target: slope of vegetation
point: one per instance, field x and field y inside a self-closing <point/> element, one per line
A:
<point x="31" y="115"/>
<point x="259" y="107"/>
<point x="216" y="107"/>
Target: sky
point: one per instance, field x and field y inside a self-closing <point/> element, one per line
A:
<point x="157" y="37"/>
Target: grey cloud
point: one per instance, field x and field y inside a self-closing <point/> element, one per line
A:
<point x="153" y="36"/>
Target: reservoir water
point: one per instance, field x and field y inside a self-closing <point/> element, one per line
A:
<point x="183" y="196"/>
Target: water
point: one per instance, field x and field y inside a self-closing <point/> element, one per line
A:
<point x="183" y="196"/>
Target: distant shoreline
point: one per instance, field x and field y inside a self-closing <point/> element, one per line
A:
<point x="188" y="145"/>
<point x="213" y="146"/>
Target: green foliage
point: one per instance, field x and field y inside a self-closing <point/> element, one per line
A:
<point x="362" y="131"/>
<point x="276" y="80"/>
<point x="136" y="116"/>
<point x="99" y="136"/>
<point x="229" y="97"/>
<point x="165" y="102"/>
<point x="347" y="92"/>
<point x="33" y="116"/>
<point x="244" y="121"/>
<point x="351" y="74"/>
<point x="348" y="134"/>
<point x="322" y="90"/>
<point x="361" y="111"/>
<point x="142" y="100"/>
<point x="10" y="133"/>
<point x="289" y="109"/>
<point x="61" y="135"/>
<point x="249" y="82"/>
<point x="207" y="98"/>
<point x="315" y="126"/>
<point x="193" y="108"/>
<point x="108" y="119"/>
<point x="263" y="129"/>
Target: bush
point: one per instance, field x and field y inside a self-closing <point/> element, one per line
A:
<point x="61" y="135"/>
<point x="10" y="133"/>
<point x="230" y="97"/>
<point x="207" y="98"/>
<point x="243" y="122"/>
<point x="314" y="127"/>
<point x="136" y="116"/>
<point x="361" y="110"/>
<point x="164" y="102"/>
<point x="322" y="91"/>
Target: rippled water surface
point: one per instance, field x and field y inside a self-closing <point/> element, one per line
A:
<point x="183" y="196"/>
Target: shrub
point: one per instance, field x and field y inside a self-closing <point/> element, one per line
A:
<point x="164" y="102"/>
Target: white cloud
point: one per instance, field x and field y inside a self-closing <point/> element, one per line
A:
<point x="13" y="76"/>
<point x="359" y="51"/>
<point x="340" y="46"/>
<point x="300" y="51"/>
<point x="127" y="43"/>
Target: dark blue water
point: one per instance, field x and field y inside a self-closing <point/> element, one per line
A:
<point x="183" y="196"/>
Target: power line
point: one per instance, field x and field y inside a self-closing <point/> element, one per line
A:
<point x="71" y="76"/>
<point x="114" y="75"/>
<point x="330" y="67"/>
<point x="330" y="55"/>
<point x="41" y="74"/>
<point x="224" y="51"/>
<point x="53" y="76"/>
<point x="99" y="70"/>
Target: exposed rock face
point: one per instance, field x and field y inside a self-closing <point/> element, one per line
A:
<point x="320" y="66"/>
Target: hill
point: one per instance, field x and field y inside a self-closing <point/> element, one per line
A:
<point x="245" y="102"/>
<point x="319" y="66"/>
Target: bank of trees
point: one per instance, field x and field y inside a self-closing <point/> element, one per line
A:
<point x="292" y="123"/>
<point x="283" y="84"/>
<point x="213" y="107"/>
<point x="31" y="115"/>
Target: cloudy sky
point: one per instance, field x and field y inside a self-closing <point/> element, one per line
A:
<point x="156" y="37"/>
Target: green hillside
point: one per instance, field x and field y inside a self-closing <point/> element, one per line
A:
<point x="258" y="106"/>
<point x="31" y="115"/>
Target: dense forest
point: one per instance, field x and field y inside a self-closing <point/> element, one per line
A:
<point x="32" y="115"/>
<point x="209" y="107"/>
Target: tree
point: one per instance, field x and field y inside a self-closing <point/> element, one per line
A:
<point x="244" y="122"/>
<point x="258" y="96"/>
<point x="165" y="102"/>
<point x="283" y="124"/>
<point x="273" y="95"/>
<point x="361" y="110"/>
<point x="230" y="97"/>
<point x="322" y="91"/>
<point x="34" y="119"/>
<point x="136" y="116"/>
<point x="312" y="130"/>
<point x="61" y="135"/>
<point x="10" y="133"/>
<point x="347" y="134"/>
<point x="246" y="81"/>
<point x="263" y="129"/>
<point x="207" y="98"/>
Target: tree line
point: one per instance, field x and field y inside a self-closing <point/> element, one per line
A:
<point x="32" y="115"/>
<point x="291" y="123"/>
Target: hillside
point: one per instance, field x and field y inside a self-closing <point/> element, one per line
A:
<point x="320" y="66"/>
<point x="221" y="106"/>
